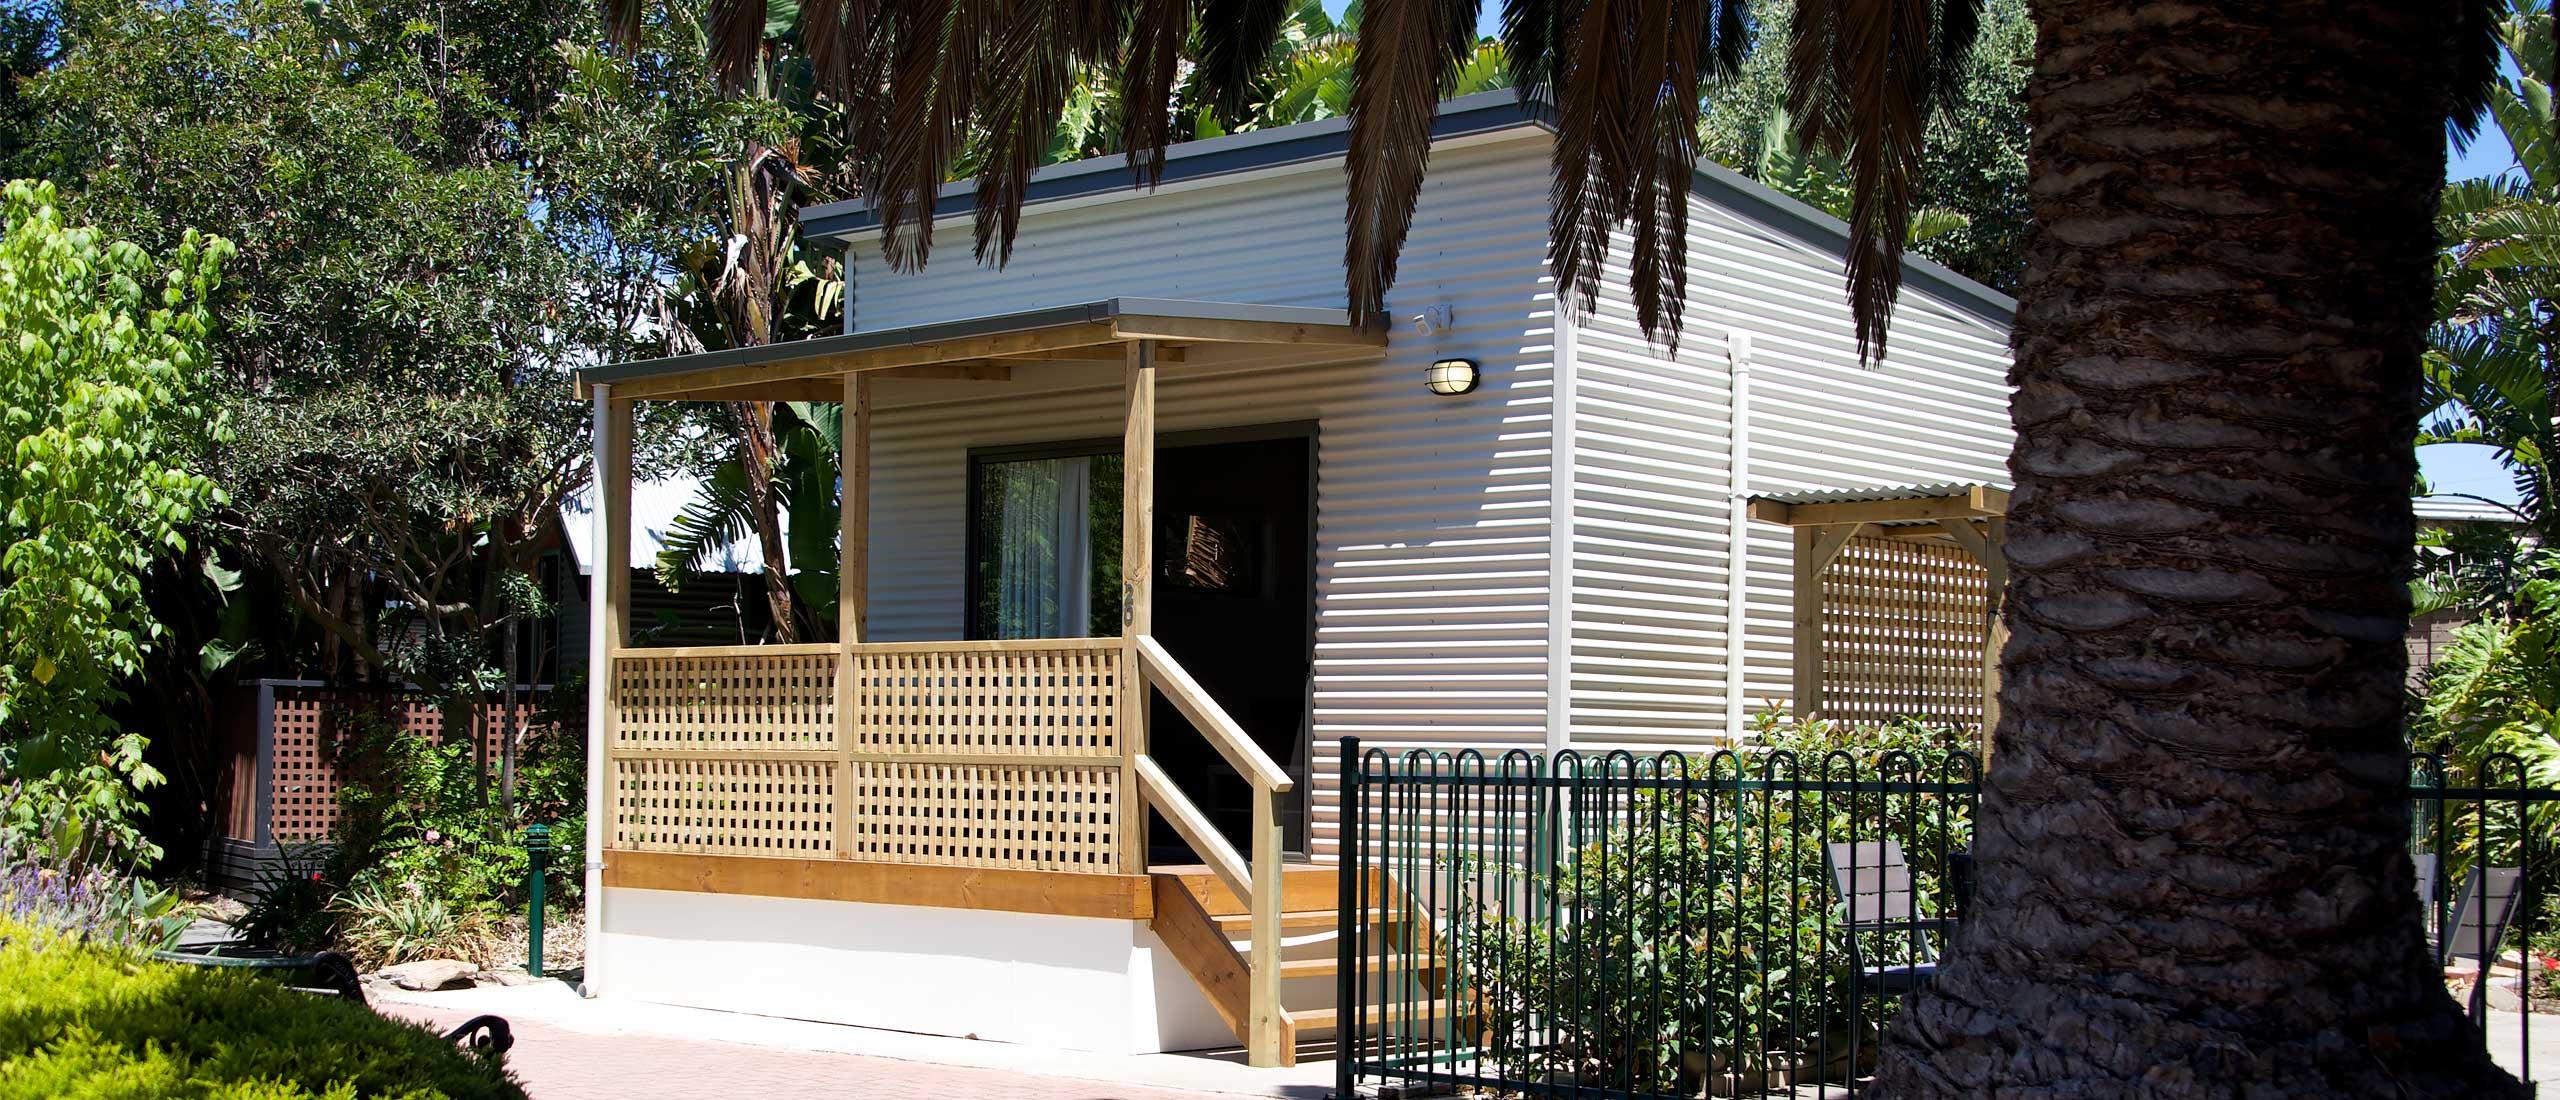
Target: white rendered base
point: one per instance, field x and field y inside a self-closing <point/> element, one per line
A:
<point x="1076" y="983"/>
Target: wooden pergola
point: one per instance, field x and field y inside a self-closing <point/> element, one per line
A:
<point x="1904" y="540"/>
<point x="1038" y="792"/>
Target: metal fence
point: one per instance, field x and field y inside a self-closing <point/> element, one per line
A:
<point x="1622" y="926"/>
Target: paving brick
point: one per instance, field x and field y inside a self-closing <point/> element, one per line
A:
<point x="557" y="1064"/>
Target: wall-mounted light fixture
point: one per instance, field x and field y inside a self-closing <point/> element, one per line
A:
<point x="1451" y="377"/>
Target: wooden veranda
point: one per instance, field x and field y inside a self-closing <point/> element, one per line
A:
<point x="1003" y="774"/>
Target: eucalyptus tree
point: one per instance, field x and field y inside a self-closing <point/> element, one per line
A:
<point x="2191" y="864"/>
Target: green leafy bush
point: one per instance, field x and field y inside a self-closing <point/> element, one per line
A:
<point x="292" y="904"/>
<point x="1697" y="932"/>
<point x="80" y="1021"/>
<point x="382" y="927"/>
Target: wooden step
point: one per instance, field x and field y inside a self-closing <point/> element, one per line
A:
<point x="1302" y="886"/>
<point x="1241" y="924"/>
<point x="1429" y="1012"/>
<point x="1330" y="966"/>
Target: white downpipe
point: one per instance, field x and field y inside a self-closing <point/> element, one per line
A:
<point x="1737" y="565"/>
<point x="1560" y="405"/>
<point x="599" y="678"/>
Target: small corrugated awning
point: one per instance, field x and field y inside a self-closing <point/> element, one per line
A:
<point x="1882" y="504"/>
<point x="986" y="348"/>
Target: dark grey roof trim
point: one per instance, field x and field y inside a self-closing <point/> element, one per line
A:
<point x="940" y="331"/>
<point x="1483" y="112"/>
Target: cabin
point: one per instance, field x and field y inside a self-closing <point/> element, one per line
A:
<point x="1138" y="528"/>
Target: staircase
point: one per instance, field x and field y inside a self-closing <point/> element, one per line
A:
<point x="1210" y="931"/>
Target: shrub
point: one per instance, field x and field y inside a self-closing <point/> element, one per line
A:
<point x="292" y="907"/>
<point x="1698" y="932"/>
<point x="382" y="927"/>
<point x="80" y="1021"/>
<point x="80" y="882"/>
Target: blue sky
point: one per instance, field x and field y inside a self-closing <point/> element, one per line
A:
<point x="2462" y="467"/>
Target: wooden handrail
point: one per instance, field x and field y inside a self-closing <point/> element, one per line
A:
<point x="1269" y="1039"/>
<point x="1223" y="733"/>
<point x="1195" y="827"/>
<point x="822" y="649"/>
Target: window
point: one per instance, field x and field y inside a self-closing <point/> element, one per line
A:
<point x="1044" y="544"/>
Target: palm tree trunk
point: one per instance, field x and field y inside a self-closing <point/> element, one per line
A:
<point x="2193" y="879"/>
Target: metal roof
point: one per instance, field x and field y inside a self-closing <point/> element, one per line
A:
<point x="1083" y="313"/>
<point x="2460" y="509"/>
<point x="1481" y="113"/>
<point x="1866" y="494"/>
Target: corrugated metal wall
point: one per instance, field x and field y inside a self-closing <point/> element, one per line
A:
<point x="1432" y="514"/>
<point x="1652" y="448"/>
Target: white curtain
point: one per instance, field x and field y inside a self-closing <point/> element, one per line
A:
<point x="1045" y="549"/>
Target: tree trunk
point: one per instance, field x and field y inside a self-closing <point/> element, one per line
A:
<point x="2193" y="879"/>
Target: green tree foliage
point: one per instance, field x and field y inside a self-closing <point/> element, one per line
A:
<point x="2493" y="360"/>
<point x="104" y="413"/>
<point x="1974" y="166"/>
<point x="440" y="212"/>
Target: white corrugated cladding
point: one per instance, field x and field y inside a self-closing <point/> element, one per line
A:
<point x="1432" y="513"/>
<point x="1652" y="446"/>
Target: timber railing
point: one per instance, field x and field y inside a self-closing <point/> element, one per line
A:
<point x="1014" y="754"/>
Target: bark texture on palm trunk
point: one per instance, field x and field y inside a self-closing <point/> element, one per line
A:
<point x="2192" y="874"/>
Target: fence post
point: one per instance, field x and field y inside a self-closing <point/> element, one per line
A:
<point x="1348" y="929"/>
<point x="537" y="850"/>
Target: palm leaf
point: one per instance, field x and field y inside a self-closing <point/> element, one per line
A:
<point x="1235" y="49"/>
<point x="1408" y="58"/>
<point x="1159" y="29"/>
<point x="716" y="517"/>
<point x="737" y="40"/>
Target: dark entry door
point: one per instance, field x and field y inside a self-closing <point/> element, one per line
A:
<point x="1235" y="575"/>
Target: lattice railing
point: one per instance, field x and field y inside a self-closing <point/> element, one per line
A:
<point x="975" y="754"/>
<point x="1902" y="632"/>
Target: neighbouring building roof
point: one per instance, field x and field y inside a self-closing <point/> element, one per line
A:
<point x="1481" y="113"/>
<point x="2458" y="509"/>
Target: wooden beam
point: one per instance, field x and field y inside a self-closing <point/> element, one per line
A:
<point x="1100" y="353"/>
<point x="1137" y="587"/>
<point x="1213" y="330"/>
<point x="1117" y="897"/>
<point x="613" y="567"/>
<point x="710" y="383"/>
<point x="1829" y="541"/>
<point x="966" y="370"/>
<point x="1807" y="622"/>
<point x="1975" y="502"/>
<point x="853" y="536"/>
<point x="1196" y="941"/>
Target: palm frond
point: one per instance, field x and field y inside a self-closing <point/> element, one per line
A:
<point x="1409" y="55"/>
<point x="2475" y="27"/>
<point x="622" y="23"/>
<point x="932" y="94"/>
<point x="737" y="40"/>
<point x="713" y="519"/>
<point x="1040" y="48"/>
<point x="1235" y="48"/>
<point x="1159" y="29"/>
<point x="1866" y="76"/>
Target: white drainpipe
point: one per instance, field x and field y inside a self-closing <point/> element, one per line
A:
<point x="599" y="678"/>
<point x="1737" y="582"/>
<point x="1560" y="413"/>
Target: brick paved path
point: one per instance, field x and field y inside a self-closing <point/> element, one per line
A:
<point x="566" y="1065"/>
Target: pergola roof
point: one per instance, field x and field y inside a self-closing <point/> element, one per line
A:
<point x="1882" y="504"/>
<point x="986" y="347"/>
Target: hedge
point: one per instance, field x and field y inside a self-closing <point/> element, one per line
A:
<point x="84" y="1022"/>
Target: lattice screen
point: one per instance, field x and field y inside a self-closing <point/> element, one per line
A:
<point x="971" y="754"/>
<point x="303" y="782"/>
<point x="1902" y="633"/>
<point x="984" y="815"/>
<point x="1023" y="699"/>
